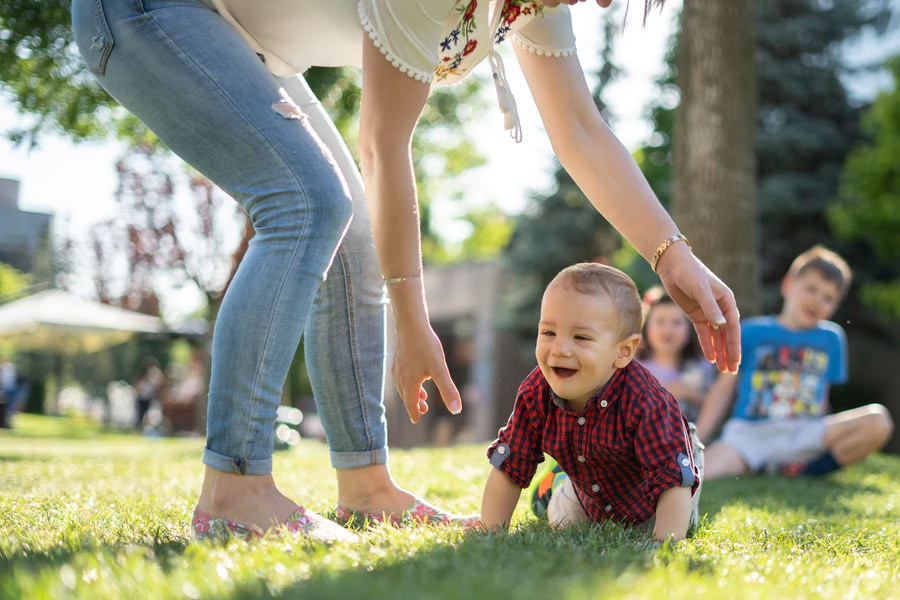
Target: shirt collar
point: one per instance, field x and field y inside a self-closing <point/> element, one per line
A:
<point x="604" y="390"/>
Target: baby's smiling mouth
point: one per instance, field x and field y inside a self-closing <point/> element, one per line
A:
<point x="563" y="372"/>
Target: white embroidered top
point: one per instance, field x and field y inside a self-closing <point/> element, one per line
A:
<point x="431" y="40"/>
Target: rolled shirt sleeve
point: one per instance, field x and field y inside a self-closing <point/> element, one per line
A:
<point x="408" y="32"/>
<point x="517" y="450"/>
<point x="663" y="447"/>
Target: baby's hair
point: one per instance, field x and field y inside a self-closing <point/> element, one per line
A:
<point x="826" y="263"/>
<point x="594" y="279"/>
<point x="654" y="297"/>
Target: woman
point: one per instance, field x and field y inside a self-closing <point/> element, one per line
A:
<point x="202" y="75"/>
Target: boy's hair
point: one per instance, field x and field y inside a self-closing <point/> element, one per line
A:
<point x="826" y="263"/>
<point x="594" y="279"/>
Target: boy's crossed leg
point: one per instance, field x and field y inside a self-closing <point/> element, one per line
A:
<point x="849" y="436"/>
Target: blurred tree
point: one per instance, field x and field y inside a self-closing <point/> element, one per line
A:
<point x="713" y="198"/>
<point x="870" y="195"/>
<point x="806" y="125"/>
<point x="41" y="70"/>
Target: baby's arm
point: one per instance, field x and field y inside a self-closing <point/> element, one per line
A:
<point x="499" y="501"/>
<point x="673" y="514"/>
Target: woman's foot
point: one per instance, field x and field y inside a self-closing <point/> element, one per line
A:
<point x="370" y="494"/>
<point x="250" y="505"/>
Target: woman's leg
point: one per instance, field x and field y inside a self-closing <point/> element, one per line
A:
<point x="344" y="343"/>
<point x="188" y="75"/>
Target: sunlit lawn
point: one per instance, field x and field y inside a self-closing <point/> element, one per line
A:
<point x="100" y="515"/>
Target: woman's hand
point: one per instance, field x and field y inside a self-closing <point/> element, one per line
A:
<point x="707" y="302"/>
<point x="418" y="356"/>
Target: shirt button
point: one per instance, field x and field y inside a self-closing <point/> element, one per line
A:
<point x="608" y="507"/>
<point x="685" y="462"/>
<point x="581" y="420"/>
<point x="501" y="449"/>
<point x="603" y="403"/>
<point x="595" y="488"/>
<point x="581" y="458"/>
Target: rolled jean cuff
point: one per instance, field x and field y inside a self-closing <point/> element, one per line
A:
<point x="239" y="466"/>
<point x="357" y="460"/>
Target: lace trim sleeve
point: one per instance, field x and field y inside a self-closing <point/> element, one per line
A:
<point x="570" y="51"/>
<point x="389" y="55"/>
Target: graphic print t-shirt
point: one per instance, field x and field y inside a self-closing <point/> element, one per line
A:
<point x="785" y="373"/>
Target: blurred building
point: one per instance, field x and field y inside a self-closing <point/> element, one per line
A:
<point x="22" y="233"/>
<point x="484" y="361"/>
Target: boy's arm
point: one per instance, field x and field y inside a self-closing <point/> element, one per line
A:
<point x="715" y="405"/>
<point x="673" y="514"/>
<point x="499" y="501"/>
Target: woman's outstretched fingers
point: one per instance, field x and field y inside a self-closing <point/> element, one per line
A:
<point x="732" y="333"/>
<point x="423" y="400"/>
<point x="705" y="337"/>
<point x="448" y="391"/>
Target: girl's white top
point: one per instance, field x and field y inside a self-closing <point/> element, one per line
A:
<point x="431" y="40"/>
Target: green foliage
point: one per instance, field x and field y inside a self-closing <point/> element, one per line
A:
<point x="85" y="514"/>
<point x="870" y="193"/>
<point x="806" y="126"/>
<point x="41" y="70"/>
<point x="13" y="283"/>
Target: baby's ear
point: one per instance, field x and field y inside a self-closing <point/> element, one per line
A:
<point x="626" y="350"/>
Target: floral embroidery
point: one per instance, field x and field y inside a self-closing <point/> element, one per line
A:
<point x="220" y="530"/>
<point x="460" y="42"/>
<point x="512" y="9"/>
<point x="465" y="27"/>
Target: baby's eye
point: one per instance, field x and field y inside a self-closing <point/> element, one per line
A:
<point x="582" y="337"/>
<point x="547" y="332"/>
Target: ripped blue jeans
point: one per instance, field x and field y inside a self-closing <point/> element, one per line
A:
<point x="267" y="142"/>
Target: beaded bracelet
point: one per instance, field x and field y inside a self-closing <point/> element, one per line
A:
<point x="665" y="246"/>
<point x="402" y="279"/>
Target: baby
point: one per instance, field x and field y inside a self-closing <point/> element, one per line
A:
<point x="618" y="435"/>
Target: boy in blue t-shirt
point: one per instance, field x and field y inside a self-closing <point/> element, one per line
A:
<point x="781" y="421"/>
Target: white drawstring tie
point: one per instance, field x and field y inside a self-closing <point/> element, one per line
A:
<point x="505" y="97"/>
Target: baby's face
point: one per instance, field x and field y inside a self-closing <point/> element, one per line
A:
<point x="577" y="343"/>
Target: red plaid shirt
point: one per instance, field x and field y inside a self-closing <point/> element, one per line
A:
<point x="629" y="445"/>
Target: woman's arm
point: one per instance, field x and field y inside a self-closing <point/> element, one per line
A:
<point x="612" y="181"/>
<point x="391" y="104"/>
<point x="499" y="501"/>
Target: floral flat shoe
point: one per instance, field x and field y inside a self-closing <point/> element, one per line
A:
<point x="420" y="513"/>
<point x="301" y="522"/>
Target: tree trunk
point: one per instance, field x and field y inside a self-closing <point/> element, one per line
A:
<point x="713" y="188"/>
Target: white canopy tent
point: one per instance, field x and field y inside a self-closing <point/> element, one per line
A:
<point x="57" y="322"/>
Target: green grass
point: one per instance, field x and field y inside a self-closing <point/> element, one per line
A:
<point x="92" y="514"/>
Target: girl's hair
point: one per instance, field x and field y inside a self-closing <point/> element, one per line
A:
<point x="654" y="297"/>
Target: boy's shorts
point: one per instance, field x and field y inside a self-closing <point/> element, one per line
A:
<point x="766" y="442"/>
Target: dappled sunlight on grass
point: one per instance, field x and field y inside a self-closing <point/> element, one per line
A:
<point x="86" y="513"/>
